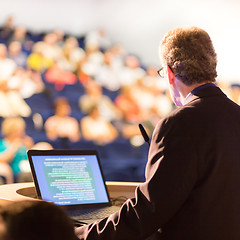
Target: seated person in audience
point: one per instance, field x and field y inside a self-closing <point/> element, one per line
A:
<point x="94" y="96"/>
<point x="62" y="125"/>
<point x="152" y="100"/>
<point x="12" y="103"/>
<point x="93" y="61"/>
<point x="60" y="35"/>
<point x="14" y="145"/>
<point x="97" y="129"/>
<point x="26" y="82"/>
<point x="73" y="54"/>
<point x="127" y="104"/>
<point x="51" y="48"/>
<point x="108" y="74"/>
<point x="131" y="72"/>
<point x="45" y="53"/>
<point x="20" y="35"/>
<point x="7" y="65"/>
<point x="38" y="220"/>
<point x="99" y="38"/>
<point x="37" y="60"/>
<point x="16" y="54"/>
<point x="36" y="79"/>
<point x="60" y="77"/>
<point x="131" y="112"/>
<point x="7" y="29"/>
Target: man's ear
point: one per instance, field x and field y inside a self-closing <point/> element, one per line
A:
<point x="171" y="76"/>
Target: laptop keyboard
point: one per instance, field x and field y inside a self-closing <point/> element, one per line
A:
<point x="94" y="213"/>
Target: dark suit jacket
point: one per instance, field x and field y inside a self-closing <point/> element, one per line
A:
<point x="192" y="188"/>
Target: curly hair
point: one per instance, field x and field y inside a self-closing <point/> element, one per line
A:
<point x="190" y="54"/>
<point x="36" y="220"/>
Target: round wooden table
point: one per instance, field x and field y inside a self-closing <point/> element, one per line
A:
<point x="27" y="191"/>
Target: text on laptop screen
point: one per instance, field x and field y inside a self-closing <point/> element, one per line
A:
<point x="70" y="180"/>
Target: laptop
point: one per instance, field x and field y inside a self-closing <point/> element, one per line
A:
<point x="72" y="179"/>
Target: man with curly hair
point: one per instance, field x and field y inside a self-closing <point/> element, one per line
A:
<point x="193" y="170"/>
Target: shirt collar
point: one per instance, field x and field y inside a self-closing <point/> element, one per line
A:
<point x="195" y="90"/>
<point x="186" y="99"/>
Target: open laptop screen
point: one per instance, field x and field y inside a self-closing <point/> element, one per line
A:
<point x="68" y="179"/>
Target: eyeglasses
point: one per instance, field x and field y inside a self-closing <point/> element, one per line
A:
<point x="161" y="72"/>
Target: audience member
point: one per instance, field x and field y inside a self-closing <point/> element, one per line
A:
<point x="26" y="82"/>
<point x="38" y="220"/>
<point x="36" y="81"/>
<point x="7" y="65"/>
<point x="73" y="54"/>
<point x="98" y="38"/>
<point x="7" y="29"/>
<point x="20" y="35"/>
<point x="128" y="106"/>
<point x="61" y="124"/>
<point x="131" y="72"/>
<point x="15" y="53"/>
<point x="94" y="96"/>
<point x="144" y="97"/>
<point x="93" y="61"/>
<point x="51" y="49"/>
<point x="12" y="103"/>
<point x="97" y="129"/>
<point x="108" y="74"/>
<point x="14" y="145"/>
<point x="37" y="60"/>
<point x="60" y="35"/>
<point x="60" y="77"/>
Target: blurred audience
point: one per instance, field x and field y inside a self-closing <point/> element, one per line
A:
<point x="109" y="85"/>
<point x="61" y="124"/>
